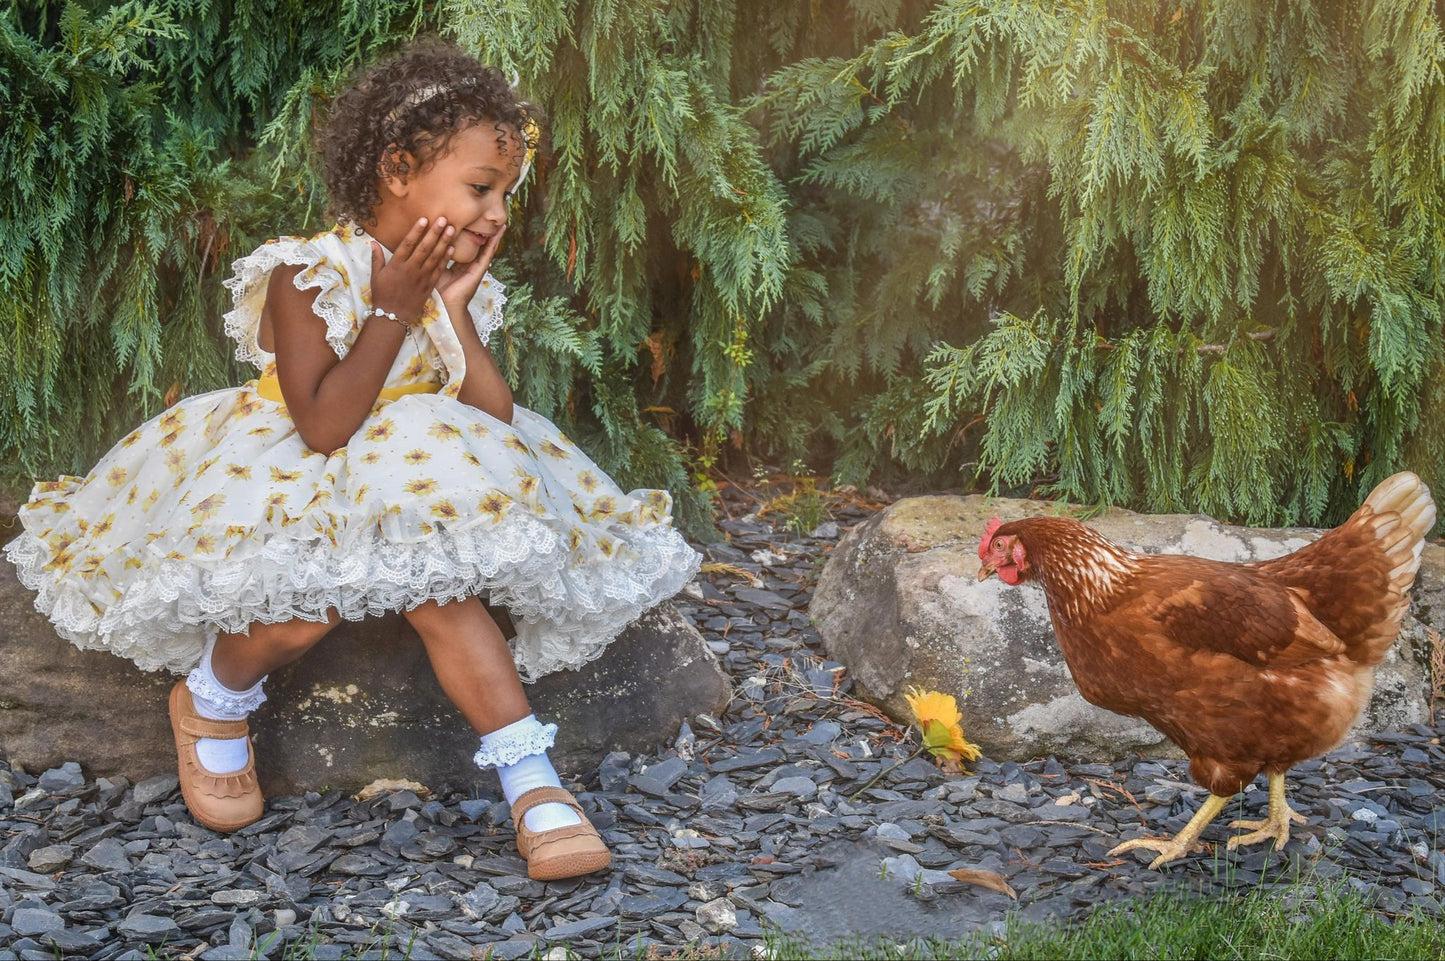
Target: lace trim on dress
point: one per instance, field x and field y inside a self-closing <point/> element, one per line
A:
<point x="566" y="614"/>
<point x="508" y="745"/>
<point x="486" y="307"/>
<point x="248" y="294"/>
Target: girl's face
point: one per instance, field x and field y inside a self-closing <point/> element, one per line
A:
<point x="468" y="185"/>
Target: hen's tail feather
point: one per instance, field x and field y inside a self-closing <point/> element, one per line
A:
<point x="1407" y="497"/>
<point x="1356" y="578"/>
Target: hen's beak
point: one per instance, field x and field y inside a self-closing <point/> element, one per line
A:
<point x="985" y="570"/>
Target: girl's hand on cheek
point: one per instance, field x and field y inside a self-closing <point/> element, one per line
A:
<point x="404" y="284"/>
<point x="459" y="285"/>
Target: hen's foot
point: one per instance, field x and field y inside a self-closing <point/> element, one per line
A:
<point x="1276" y="825"/>
<point x="1170" y="849"/>
<point x="1185" y="842"/>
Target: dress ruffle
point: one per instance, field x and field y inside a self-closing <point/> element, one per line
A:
<point x="325" y="273"/>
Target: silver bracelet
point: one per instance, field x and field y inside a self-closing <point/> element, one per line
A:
<point x="378" y="312"/>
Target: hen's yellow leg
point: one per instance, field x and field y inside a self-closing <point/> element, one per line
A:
<point x="1185" y="842"/>
<point x="1276" y="825"/>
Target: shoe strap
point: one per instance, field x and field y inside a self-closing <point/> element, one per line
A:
<point x="540" y="841"/>
<point x="198" y="726"/>
<point x="545" y="795"/>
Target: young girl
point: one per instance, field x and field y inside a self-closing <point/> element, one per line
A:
<point x="377" y="464"/>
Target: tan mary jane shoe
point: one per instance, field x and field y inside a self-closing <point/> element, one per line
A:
<point x="561" y="852"/>
<point x="221" y="802"/>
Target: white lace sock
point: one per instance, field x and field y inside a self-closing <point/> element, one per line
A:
<point x="217" y="702"/>
<point x="519" y="753"/>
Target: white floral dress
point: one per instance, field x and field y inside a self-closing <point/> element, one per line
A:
<point x="215" y="515"/>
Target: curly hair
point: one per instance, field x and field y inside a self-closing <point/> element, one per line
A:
<point x="416" y="100"/>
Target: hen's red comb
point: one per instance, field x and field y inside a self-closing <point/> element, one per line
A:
<point x="987" y="539"/>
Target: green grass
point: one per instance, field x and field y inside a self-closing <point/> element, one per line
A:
<point x="1294" y="922"/>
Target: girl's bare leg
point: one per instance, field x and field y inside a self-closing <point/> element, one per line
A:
<point x="239" y="661"/>
<point x="472" y="662"/>
<point x="475" y="668"/>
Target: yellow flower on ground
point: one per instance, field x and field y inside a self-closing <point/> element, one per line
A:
<point x="938" y="717"/>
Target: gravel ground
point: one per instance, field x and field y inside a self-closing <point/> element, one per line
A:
<point x="798" y="808"/>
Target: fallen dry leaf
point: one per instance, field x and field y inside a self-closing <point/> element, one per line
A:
<point x="383" y="784"/>
<point x="984" y="879"/>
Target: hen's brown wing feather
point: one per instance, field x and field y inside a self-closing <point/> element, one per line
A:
<point x="1344" y="577"/>
<point x="1230" y="609"/>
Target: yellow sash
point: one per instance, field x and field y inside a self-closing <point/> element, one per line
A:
<point x="270" y="388"/>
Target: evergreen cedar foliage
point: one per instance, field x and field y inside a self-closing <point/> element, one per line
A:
<point x="1180" y="255"/>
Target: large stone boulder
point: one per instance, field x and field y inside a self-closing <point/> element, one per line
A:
<point x="899" y="603"/>
<point x="364" y="704"/>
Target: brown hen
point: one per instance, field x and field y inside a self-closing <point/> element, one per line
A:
<point x="1247" y="667"/>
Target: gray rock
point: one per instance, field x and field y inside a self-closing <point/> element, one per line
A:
<point x="241" y="934"/>
<point x="156" y="788"/>
<point x="148" y="928"/>
<point x="480" y="902"/>
<point x="228" y="952"/>
<point x="646" y="906"/>
<point x="612" y="772"/>
<point x="237" y="897"/>
<point x="651" y="874"/>
<point x="581" y="928"/>
<point x="717" y="917"/>
<point x="824" y="732"/>
<point x="474" y="809"/>
<point x="800" y="787"/>
<point x="61" y="779"/>
<point x="51" y="858"/>
<point x="717" y="794"/>
<point x="667" y="773"/>
<point x="108" y="855"/>
<point x="519" y="947"/>
<point x="25" y="879"/>
<point x="72" y="944"/>
<point x="899" y="603"/>
<point x="30" y="922"/>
